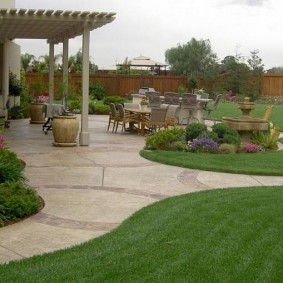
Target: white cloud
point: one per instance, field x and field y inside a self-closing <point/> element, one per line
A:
<point x="149" y="27"/>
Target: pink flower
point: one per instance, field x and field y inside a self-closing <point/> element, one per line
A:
<point x="252" y="148"/>
<point x="42" y="98"/>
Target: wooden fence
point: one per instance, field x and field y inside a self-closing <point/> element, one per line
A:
<point x="272" y="85"/>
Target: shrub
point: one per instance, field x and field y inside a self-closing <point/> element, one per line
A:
<point x="17" y="201"/>
<point x="226" y="148"/>
<point x="226" y="134"/>
<point x="164" y="139"/>
<point x="97" y="90"/>
<point x="3" y="214"/>
<point x="75" y="103"/>
<point x="114" y="99"/>
<point x="91" y="107"/>
<point x="203" y="144"/>
<point x="265" y="139"/>
<point x="101" y="109"/>
<point x="194" y="130"/>
<point x="10" y="166"/>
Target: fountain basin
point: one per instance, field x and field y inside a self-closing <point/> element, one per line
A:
<point x="245" y="126"/>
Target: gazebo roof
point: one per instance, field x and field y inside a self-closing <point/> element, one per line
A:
<point x="53" y="25"/>
<point x="145" y="62"/>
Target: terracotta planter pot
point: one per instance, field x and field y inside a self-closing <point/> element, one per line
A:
<point x="65" y="130"/>
<point x="37" y="113"/>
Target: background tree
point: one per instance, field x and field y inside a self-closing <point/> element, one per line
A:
<point x="193" y="59"/>
<point x="235" y="75"/>
<point x="27" y="61"/>
<point x="257" y="69"/>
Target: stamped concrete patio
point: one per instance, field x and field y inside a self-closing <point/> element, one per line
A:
<point x="88" y="191"/>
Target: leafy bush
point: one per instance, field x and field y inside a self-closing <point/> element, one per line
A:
<point x="97" y="90"/>
<point x="10" y="167"/>
<point x="91" y="107"/>
<point x="194" y="130"/>
<point x="265" y="139"/>
<point x="3" y="214"/>
<point x="114" y="99"/>
<point x="226" y="148"/>
<point x="17" y="201"/>
<point x="203" y="144"/>
<point x="164" y="139"/>
<point x="226" y="134"/>
<point x="101" y="109"/>
<point x="75" y="103"/>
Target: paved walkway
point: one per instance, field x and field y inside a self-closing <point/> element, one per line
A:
<point x="88" y="191"/>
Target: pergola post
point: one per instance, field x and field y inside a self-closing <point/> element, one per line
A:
<point x="5" y="78"/>
<point x="84" y="134"/>
<point x="65" y="71"/>
<point x="51" y="72"/>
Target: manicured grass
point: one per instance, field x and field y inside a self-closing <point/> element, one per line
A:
<point x="232" y="110"/>
<point x="232" y="235"/>
<point x="265" y="163"/>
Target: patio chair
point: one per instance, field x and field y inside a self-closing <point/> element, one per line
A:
<point x="171" y="115"/>
<point x="268" y="113"/>
<point x="189" y="102"/>
<point x="157" y="120"/>
<point x="204" y="95"/>
<point x="210" y="108"/>
<point x="113" y="116"/>
<point x="124" y="118"/>
<point x="172" y="98"/>
<point x="154" y="100"/>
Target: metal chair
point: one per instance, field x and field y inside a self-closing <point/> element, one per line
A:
<point x="189" y="102"/>
<point x="210" y="108"/>
<point x="171" y="98"/>
<point x="154" y="99"/>
<point x="268" y="113"/>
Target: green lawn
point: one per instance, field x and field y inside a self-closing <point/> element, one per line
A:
<point x="265" y="163"/>
<point x="232" y="235"/>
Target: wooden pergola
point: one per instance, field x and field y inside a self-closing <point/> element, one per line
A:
<point x="56" y="26"/>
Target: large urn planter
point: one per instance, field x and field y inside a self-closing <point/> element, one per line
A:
<point x="65" y="130"/>
<point x="37" y="113"/>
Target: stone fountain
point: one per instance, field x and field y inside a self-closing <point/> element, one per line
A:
<point x="246" y="124"/>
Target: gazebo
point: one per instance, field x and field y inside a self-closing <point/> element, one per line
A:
<point x="56" y="26"/>
<point x="144" y="62"/>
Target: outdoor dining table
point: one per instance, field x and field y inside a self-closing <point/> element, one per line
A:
<point x="51" y="111"/>
<point x="143" y="115"/>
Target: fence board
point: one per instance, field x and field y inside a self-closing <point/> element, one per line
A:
<point x="272" y="84"/>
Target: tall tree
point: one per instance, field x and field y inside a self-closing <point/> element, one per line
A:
<point x="27" y="61"/>
<point x="257" y="69"/>
<point x="236" y="75"/>
<point x="192" y="58"/>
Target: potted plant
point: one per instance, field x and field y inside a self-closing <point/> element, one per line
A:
<point x="37" y="109"/>
<point x="144" y="102"/>
<point x="65" y="129"/>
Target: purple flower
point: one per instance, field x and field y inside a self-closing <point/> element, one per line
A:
<point x="204" y="144"/>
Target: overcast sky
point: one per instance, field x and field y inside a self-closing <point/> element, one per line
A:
<point x="150" y="27"/>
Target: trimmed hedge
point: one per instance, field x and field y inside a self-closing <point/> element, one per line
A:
<point x="17" y="201"/>
<point x="10" y="167"/>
